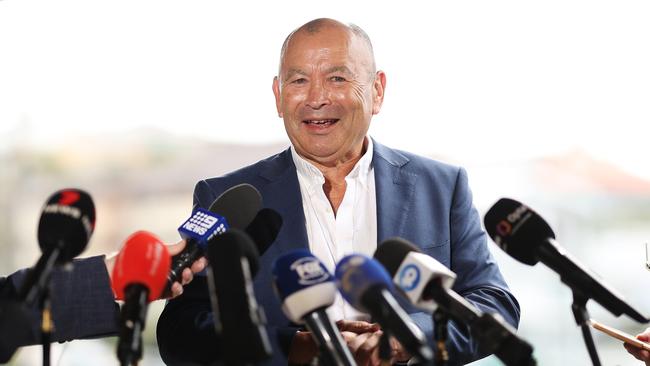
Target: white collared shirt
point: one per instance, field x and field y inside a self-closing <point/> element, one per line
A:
<point x="352" y="230"/>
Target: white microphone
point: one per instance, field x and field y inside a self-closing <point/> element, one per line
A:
<point x="413" y="276"/>
<point x="424" y="281"/>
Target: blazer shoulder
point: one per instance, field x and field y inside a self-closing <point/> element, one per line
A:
<point x="424" y="166"/>
<point x="206" y="190"/>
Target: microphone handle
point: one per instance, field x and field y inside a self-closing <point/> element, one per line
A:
<point x="492" y="333"/>
<point x="38" y="276"/>
<point x="132" y="321"/>
<point x="390" y="315"/>
<point x="499" y="338"/>
<point x="333" y="349"/>
<point x="180" y="261"/>
<point x="451" y="303"/>
<point x="580" y="279"/>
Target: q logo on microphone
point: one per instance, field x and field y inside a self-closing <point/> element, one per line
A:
<point x="409" y="277"/>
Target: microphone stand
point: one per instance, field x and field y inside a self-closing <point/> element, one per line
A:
<point x="47" y="325"/>
<point x="333" y="352"/>
<point x="582" y="319"/>
<point x="440" y="321"/>
<point x="385" y="350"/>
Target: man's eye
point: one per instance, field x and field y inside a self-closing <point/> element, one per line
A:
<point x="337" y="79"/>
<point x="299" y="81"/>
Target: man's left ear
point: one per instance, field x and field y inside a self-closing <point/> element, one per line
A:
<point x="378" y="88"/>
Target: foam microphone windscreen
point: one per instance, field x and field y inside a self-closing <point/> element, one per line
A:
<point x="144" y="260"/>
<point x="391" y="253"/>
<point x="238" y="204"/>
<point x="67" y="222"/>
<point x="232" y="244"/>
<point x="303" y="284"/>
<point x="517" y="229"/>
<point x="264" y="228"/>
<point x="233" y="262"/>
<point x="355" y="274"/>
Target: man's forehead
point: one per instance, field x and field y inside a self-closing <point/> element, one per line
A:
<point x="330" y="37"/>
<point x="325" y="46"/>
<point x="327" y="39"/>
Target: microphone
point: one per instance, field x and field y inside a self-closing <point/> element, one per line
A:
<point x="233" y="261"/>
<point x="66" y="224"/>
<point x="525" y="236"/>
<point x="264" y="228"/>
<point x="366" y="285"/>
<point x="139" y="277"/>
<point x="236" y="207"/>
<point x="306" y="289"/>
<point x="427" y="284"/>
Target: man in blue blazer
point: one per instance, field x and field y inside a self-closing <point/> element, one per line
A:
<point x="327" y="91"/>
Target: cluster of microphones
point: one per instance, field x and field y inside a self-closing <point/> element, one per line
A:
<point x="235" y="230"/>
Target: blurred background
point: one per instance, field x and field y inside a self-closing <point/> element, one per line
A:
<point x="134" y="101"/>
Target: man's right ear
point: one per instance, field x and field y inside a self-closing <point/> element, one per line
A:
<point x="278" y="97"/>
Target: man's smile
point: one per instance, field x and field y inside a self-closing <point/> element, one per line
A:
<point x="320" y="122"/>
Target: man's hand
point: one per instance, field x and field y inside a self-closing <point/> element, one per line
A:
<point x="640" y="354"/>
<point x="357" y="326"/>
<point x="188" y="273"/>
<point x="303" y="349"/>
<point x="363" y="339"/>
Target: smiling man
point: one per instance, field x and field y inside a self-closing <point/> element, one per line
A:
<point x="341" y="192"/>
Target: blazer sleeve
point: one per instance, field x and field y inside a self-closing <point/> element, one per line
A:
<point x="185" y="329"/>
<point x="478" y="277"/>
<point x="83" y="303"/>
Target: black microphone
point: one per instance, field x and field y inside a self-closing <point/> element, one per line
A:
<point x="525" y="236"/>
<point x="238" y="319"/>
<point x="238" y="205"/>
<point x="426" y="283"/>
<point x="66" y="224"/>
<point x="306" y="289"/>
<point x="366" y="285"/>
<point x="264" y="228"/>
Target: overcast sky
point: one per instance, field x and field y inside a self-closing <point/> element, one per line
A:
<point x="484" y="80"/>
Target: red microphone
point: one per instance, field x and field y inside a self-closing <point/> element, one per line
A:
<point x="139" y="277"/>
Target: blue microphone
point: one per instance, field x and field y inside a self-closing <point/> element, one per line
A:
<point x="368" y="287"/>
<point x="306" y="289"/>
<point x="198" y="229"/>
<point x="236" y="208"/>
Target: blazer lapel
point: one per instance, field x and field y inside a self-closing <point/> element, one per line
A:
<point x="282" y="193"/>
<point x="394" y="186"/>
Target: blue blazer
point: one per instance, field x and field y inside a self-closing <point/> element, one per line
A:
<point x="424" y="201"/>
<point x="83" y="306"/>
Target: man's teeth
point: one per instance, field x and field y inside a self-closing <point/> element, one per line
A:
<point x="320" y="121"/>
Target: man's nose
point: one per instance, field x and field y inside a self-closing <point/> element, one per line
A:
<point x="318" y="95"/>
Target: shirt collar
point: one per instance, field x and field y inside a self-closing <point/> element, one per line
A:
<point x="314" y="176"/>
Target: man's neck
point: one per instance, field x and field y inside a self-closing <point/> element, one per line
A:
<point x="334" y="174"/>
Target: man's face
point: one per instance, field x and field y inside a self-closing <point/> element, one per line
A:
<point x="326" y="93"/>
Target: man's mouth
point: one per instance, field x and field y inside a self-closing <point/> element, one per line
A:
<point x="320" y="122"/>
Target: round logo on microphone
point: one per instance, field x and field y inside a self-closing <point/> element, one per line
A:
<point x="310" y="271"/>
<point x="409" y="277"/>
